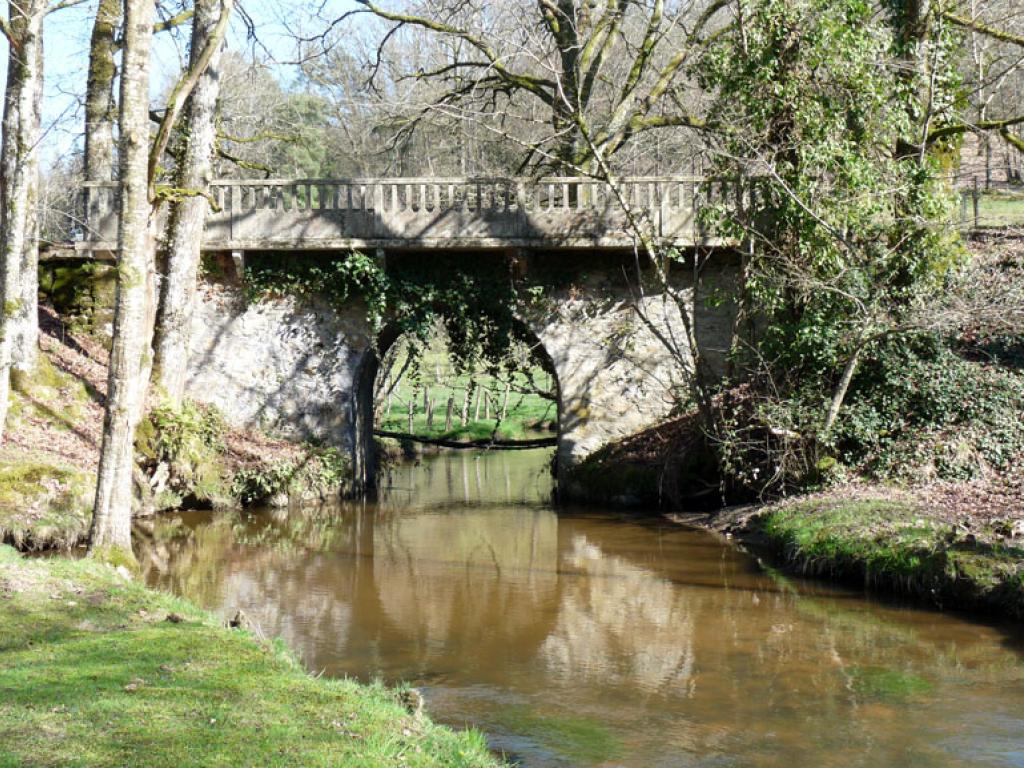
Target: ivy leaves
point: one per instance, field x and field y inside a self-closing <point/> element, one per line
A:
<point x="472" y="297"/>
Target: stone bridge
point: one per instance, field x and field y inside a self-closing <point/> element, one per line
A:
<point x="305" y="369"/>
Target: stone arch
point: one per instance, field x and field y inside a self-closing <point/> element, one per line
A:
<point x="364" y="460"/>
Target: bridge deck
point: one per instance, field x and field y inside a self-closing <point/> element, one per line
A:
<point x="423" y="213"/>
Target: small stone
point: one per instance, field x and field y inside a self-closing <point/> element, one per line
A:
<point x="174" y="618"/>
<point x="123" y="572"/>
<point x="240" y="621"/>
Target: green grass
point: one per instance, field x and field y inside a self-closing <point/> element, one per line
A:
<point x="897" y="547"/>
<point x="93" y="674"/>
<point x="1000" y="210"/>
<point x="882" y="683"/>
<point x="529" y="415"/>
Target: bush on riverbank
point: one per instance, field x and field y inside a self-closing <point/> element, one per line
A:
<point x="101" y="668"/>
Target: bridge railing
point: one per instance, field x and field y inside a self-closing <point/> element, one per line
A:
<point x="430" y="211"/>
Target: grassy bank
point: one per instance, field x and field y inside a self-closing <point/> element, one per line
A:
<point x="900" y="546"/>
<point x="93" y="672"/>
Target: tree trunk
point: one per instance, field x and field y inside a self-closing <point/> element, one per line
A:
<point x="839" y="394"/>
<point x="99" y="93"/>
<point x="19" y="319"/>
<point x="188" y="215"/>
<point x="130" y="354"/>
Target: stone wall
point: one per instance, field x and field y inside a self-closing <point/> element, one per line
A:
<point x="620" y="372"/>
<point x="277" y="365"/>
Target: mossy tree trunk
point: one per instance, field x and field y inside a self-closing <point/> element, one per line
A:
<point x="188" y="212"/>
<point x="19" y="183"/>
<point x="100" y="108"/>
<point x="131" y="353"/>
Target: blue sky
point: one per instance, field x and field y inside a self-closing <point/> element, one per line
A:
<point x="66" y="42"/>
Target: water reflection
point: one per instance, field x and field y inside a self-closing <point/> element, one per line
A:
<point x="586" y="639"/>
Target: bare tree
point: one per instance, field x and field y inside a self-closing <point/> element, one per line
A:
<point x="19" y="183"/>
<point x="110" y="535"/>
<point x="190" y="199"/>
<point x="545" y="71"/>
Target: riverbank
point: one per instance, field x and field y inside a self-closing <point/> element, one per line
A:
<point x="947" y="546"/>
<point x="98" y="667"/>
<point x="187" y="457"/>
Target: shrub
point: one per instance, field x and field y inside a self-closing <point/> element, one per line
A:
<point x="188" y="439"/>
<point x="321" y="471"/>
<point x="918" y="407"/>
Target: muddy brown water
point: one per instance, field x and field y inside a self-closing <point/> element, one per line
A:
<point x="586" y="638"/>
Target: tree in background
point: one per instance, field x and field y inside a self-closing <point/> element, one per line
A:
<point x="537" y="75"/>
<point x="100" y="105"/>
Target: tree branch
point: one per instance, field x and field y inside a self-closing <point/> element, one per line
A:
<point x="175" y="21"/>
<point x="183" y="89"/>
<point x="976" y="26"/>
<point x="983" y="125"/>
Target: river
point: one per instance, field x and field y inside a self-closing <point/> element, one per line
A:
<point x="581" y="637"/>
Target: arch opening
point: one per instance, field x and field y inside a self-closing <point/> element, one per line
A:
<point x="414" y="392"/>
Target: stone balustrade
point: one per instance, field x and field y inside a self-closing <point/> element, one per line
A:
<point x="414" y="213"/>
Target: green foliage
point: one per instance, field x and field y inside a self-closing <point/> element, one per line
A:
<point x="188" y="439"/>
<point x="849" y="230"/>
<point x="253" y="485"/>
<point x="185" y="431"/>
<point x="322" y="470"/>
<point x="850" y="226"/>
<point x="474" y="300"/>
<point x="918" y="410"/>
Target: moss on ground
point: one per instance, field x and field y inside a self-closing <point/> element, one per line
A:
<point x="98" y="670"/>
<point x="44" y="501"/>
<point x="42" y="504"/>
<point x="897" y="547"/>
